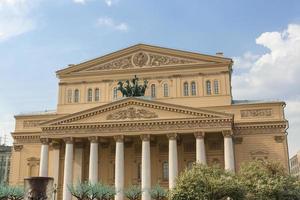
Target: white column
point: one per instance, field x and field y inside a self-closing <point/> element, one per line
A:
<point x="55" y="164"/>
<point x="44" y="157"/>
<point x="93" y="167"/>
<point x="200" y="148"/>
<point x="173" y="161"/>
<point x="68" y="169"/>
<point x="146" y="168"/>
<point x="119" y="168"/>
<point x="228" y="151"/>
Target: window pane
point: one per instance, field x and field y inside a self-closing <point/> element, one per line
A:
<point x="90" y="95"/>
<point x="216" y="86"/>
<point x="208" y="87"/>
<point x="97" y="94"/>
<point x="153" y="91"/>
<point x="165" y="170"/>
<point x="193" y="88"/>
<point x="76" y="96"/>
<point x="69" y="96"/>
<point x="115" y="93"/>
<point x="185" y="89"/>
<point x="166" y="90"/>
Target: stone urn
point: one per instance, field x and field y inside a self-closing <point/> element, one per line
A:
<point x="38" y="188"/>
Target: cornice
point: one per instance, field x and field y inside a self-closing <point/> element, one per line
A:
<point x="259" y="125"/>
<point x="195" y="112"/>
<point x="143" y="47"/>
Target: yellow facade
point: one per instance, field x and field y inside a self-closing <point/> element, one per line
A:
<point x="188" y="93"/>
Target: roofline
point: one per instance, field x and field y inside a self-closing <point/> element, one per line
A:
<point x="137" y="46"/>
<point x="262" y="102"/>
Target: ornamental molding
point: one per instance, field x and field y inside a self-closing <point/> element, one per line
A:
<point x="142" y="59"/>
<point x="127" y="103"/>
<point x="256" y="113"/>
<point x="132" y="113"/>
<point x="137" y="127"/>
<point x="32" y="123"/>
<point x="26" y="138"/>
<point x="279" y="138"/>
<point x="18" y="147"/>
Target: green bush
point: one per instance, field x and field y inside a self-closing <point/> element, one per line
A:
<point x="268" y="181"/>
<point x="158" y="193"/>
<point x="207" y="183"/>
<point x="11" y="192"/>
<point x="133" y="192"/>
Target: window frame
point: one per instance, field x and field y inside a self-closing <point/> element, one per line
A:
<point x="90" y="95"/>
<point x="216" y="87"/>
<point x="208" y="87"/>
<point x="69" y="96"/>
<point x="153" y="90"/>
<point x="115" y="93"/>
<point x="186" y="89"/>
<point x="193" y="88"/>
<point x="166" y="89"/>
<point x="97" y="94"/>
<point x="165" y="171"/>
<point x="76" y="96"/>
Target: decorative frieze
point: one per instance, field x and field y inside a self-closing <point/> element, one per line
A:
<point x="256" y="113"/>
<point x="31" y="123"/>
<point x="141" y="59"/>
<point x="131" y="113"/>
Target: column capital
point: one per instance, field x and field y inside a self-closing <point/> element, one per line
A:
<point x="45" y="140"/>
<point x="55" y="144"/>
<point x="199" y="134"/>
<point x="93" y="139"/>
<point x="18" y="147"/>
<point x="227" y="133"/>
<point x="119" y="138"/>
<point x="145" y="137"/>
<point x="69" y="140"/>
<point x="172" y="136"/>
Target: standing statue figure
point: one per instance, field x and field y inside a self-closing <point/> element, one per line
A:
<point x="132" y="89"/>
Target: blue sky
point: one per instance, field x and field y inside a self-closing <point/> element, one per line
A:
<point x="38" y="37"/>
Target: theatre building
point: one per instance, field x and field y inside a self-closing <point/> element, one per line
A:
<point x="186" y="115"/>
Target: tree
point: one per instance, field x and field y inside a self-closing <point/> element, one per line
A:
<point x="207" y="183"/>
<point x="158" y="193"/>
<point x="269" y="181"/>
<point x="133" y="193"/>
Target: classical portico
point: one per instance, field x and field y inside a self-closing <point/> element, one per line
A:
<point x="131" y="117"/>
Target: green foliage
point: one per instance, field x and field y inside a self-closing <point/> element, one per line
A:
<point x="207" y="183"/>
<point x="268" y="181"/>
<point x="81" y="191"/>
<point x="158" y="193"/>
<point x="88" y="191"/>
<point x="133" y="193"/>
<point x="11" y="192"/>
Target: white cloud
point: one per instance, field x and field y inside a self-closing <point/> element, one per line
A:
<point x="79" y="1"/>
<point x="275" y="74"/>
<point x="110" y="23"/>
<point x="110" y="2"/>
<point x="15" y="17"/>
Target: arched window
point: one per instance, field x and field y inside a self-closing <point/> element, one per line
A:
<point x="76" y="96"/>
<point x="69" y="95"/>
<point x="166" y="90"/>
<point x="193" y="88"/>
<point x="90" y="95"/>
<point x="115" y="93"/>
<point x="185" y="89"/>
<point x="216" y="86"/>
<point x="208" y="87"/>
<point x="97" y="94"/>
<point x="165" y="170"/>
<point x="153" y="91"/>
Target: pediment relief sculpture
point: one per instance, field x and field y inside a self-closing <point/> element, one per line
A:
<point x="132" y="113"/>
<point x="142" y="59"/>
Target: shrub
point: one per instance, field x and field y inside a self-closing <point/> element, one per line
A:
<point x="133" y="193"/>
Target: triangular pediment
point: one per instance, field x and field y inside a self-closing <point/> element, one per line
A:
<point x="140" y="57"/>
<point x="133" y="110"/>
